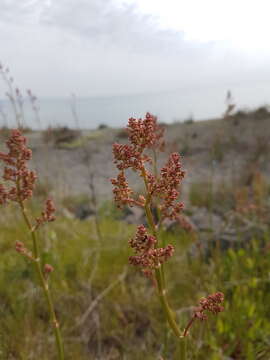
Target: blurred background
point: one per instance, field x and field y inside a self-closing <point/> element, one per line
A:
<point x="122" y="58"/>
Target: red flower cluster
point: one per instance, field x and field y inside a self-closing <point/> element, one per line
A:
<point x="16" y="170"/>
<point x="211" y="303"/>
<point x="122" y="192"/>
<point x="168" y="185"/>
<point x="127" y="156"/>
<point x="142" y="241"/>
<point x="147" y="134"/>
<point x="144" y="135"/>
<point x="48" y="214"/>
<point x="148" y="256"/>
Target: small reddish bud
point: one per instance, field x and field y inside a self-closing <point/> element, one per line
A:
<point x="48" y="269"/>
<point x="141" y="200"/>
<point x="19" y="246"/>
<point x="21" y="249"/>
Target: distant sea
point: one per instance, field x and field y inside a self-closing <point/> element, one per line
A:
<point x="114" y="111"/>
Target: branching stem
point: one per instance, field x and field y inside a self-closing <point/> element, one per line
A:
<point x="160" y="279"/>
<point x="43" y="281"/>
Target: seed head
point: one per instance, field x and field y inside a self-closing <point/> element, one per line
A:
<point x="48" y="214"/>
<point x="16" y="170"/>
<point x="145" y="133"/>
<point x="123" y="193"/>
<point x="168" y="185"/>
<point x="48" y="269"/>
<point x="22" y="179"/>
<point x="148" y="257"/>
<point x="211" y="304"/>
<point x="22" y="249"/>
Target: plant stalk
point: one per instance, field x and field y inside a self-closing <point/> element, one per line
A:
<point x="160" y="279"/>
<point x="43" y="282"/>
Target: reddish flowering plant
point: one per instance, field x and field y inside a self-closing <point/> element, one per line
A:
<point x="19" y="185"/>
<point x="22" y="180"/>
<point x="16" y="171"/>
<point x="211" y="304"/>
<point x="144" y="135"/>
<point x="162" y="190"/>
<point x="147" y="255"/>
<point x="48" y="214"/>
<point x="168" y="187"/>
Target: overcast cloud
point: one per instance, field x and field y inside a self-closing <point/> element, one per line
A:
<point x="98" y="47"/>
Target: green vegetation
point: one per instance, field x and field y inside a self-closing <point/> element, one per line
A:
<point x="127" y="323"/>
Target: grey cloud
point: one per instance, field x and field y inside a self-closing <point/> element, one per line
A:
<point x="13" y="11"/>
<point x="102" y="21"/>
<point x="94" y="47"/>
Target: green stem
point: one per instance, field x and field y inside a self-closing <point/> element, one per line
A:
<point x="165" y="305"/>
<point x="183" y="349"/>
<point x="43" y="282"/>
<point x="159" y="272"/>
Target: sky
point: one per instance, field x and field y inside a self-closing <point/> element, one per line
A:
<point x="118" y="47"/>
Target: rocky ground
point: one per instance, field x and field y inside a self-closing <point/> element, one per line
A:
<point x="220" y="150"/>
<point x="221" y="157"/>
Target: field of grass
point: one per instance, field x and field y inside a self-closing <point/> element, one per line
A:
<point x="124" y="318"/>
